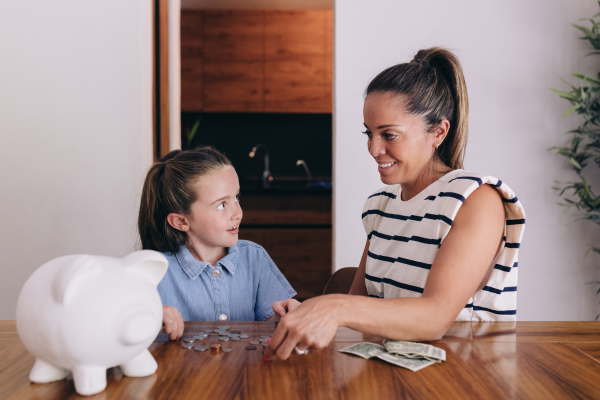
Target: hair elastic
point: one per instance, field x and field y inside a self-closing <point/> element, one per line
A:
<point x="425" y="63"/>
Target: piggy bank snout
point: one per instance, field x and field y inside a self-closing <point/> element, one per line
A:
<point x="139" y="326"/>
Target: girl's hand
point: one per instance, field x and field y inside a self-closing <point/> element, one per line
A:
<point x="285" y="306"/>
<point x="312" y="325"/>
<point x="172" y="322"/>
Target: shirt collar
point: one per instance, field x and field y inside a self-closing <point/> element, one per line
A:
<point x="193" y="268"/>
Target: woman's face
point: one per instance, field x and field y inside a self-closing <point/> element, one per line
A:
<point x="398" y="141"/>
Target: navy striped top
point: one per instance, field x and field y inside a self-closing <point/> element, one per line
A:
<point x="405" y="236"/>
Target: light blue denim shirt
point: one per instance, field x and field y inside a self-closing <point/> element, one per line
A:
<point x="241" y="287"/>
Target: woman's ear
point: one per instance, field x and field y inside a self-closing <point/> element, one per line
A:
<point x="178" y="222"/>
<point x="441" y="130"/>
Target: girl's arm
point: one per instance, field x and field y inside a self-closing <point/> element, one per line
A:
<point x="456" y="273"/>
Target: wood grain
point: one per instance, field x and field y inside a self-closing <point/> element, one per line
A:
<point x="328" y="87"/>
<point x="476" y="368"/>
<point x="295" y="61"/>
<point x="286" y="210"/>
<point x="233" y="60"/>
<point x="257" y="61"/>
<point x="163" y="48"/>
<point x="191" y="61"/>
<point x="302" y="255"/>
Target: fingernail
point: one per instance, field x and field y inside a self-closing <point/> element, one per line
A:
<point x="267" y="358"/>
<point x="268" y="339"/>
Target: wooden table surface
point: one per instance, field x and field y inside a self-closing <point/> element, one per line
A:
<point x="524" y="360"/>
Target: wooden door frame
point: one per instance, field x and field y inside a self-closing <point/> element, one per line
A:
<point x="160" y="82"/>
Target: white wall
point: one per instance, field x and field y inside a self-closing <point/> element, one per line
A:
<point x="75" y="131"/>
<point x="512" y="53"/>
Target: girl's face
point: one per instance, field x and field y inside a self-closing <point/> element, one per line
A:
<point x="398" y="141"/>
<point x="215" y="216"/>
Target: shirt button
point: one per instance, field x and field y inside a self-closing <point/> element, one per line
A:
<point x="215" y="273"/>
<point x="222" y="317"/>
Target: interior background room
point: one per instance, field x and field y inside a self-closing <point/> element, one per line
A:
<point x="76" y="125"/>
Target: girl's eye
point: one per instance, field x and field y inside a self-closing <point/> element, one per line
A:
<point x="389" y="136"/>
<point x="237" y="198"/>
<point x="368" y="133"/>
<point x="221" y="206"/>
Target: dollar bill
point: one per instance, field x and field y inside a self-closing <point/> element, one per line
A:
<point x="364" y="350"/>
<point x="413" y="364"/>
<point x="412" y="350"/>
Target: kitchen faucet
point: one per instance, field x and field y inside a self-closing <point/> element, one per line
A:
<point x="308" y="175"/>
<point x="266" y="178"/>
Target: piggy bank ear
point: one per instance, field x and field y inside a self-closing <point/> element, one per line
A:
<point x="74" y="272"/>
<point x="152" y="264"/>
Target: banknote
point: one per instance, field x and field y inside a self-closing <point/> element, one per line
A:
<point x="414" y="364"/>
<point x="412" y="349"/>
<point x="364" y="350"/>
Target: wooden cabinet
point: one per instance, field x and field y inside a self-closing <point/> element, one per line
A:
<point x="296" y="232"/>
<point x="191" y="60"/>
<point x="302" y="255"/>
<point x="256" y="61"/>
<point x="233" y="61"/>
<point x="295" y="61"/>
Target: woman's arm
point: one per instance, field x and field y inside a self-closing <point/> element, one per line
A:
<point x="457" y="271"/>
<point x="358" y="285"/>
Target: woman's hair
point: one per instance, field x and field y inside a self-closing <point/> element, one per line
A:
<point x="169" y="188"/>
<point x="432" y="85"/>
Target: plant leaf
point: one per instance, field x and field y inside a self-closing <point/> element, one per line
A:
<point x="575" y="163"/>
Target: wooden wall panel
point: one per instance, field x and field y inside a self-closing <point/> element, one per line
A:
<point x="328" y="99"/>
<point x="233" y="60"/>
<point x="191" y="61"/>
<point x="295" y="61"/>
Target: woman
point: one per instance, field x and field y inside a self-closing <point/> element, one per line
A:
<point x="441" y="242"/>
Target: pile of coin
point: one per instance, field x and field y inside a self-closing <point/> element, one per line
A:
<point x="222" y="336"/>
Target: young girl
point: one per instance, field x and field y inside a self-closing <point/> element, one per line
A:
<point x="190" y="212"/>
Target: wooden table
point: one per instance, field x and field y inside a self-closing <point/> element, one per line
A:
<point x="525" y="360"/>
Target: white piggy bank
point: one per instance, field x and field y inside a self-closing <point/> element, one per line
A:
<point x="85" y="314"/>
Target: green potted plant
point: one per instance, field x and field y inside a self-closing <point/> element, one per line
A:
<point x="583" y="152"/>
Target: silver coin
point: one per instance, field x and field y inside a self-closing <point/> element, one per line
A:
<point x="208" y="330"/>
<point x="200" y="337"/>
<point x="224" y="338"/>
<point x="227" y="350"/>
<point x="244" y="336"/>
<point x="187" y="345"/>
<point x="264" y="336"/>
<point x="237" y="339"/>
<point x="200" y="348"/>
<point x="254" y="342"/>
<point x="216" y="330"/>
<point x="223" y="327"/>
<point x="188" y="339"/>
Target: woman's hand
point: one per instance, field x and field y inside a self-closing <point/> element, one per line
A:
<point x="285" y="306"/>
<point x="312" y="325"/>
<point x="172" y="322"/>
